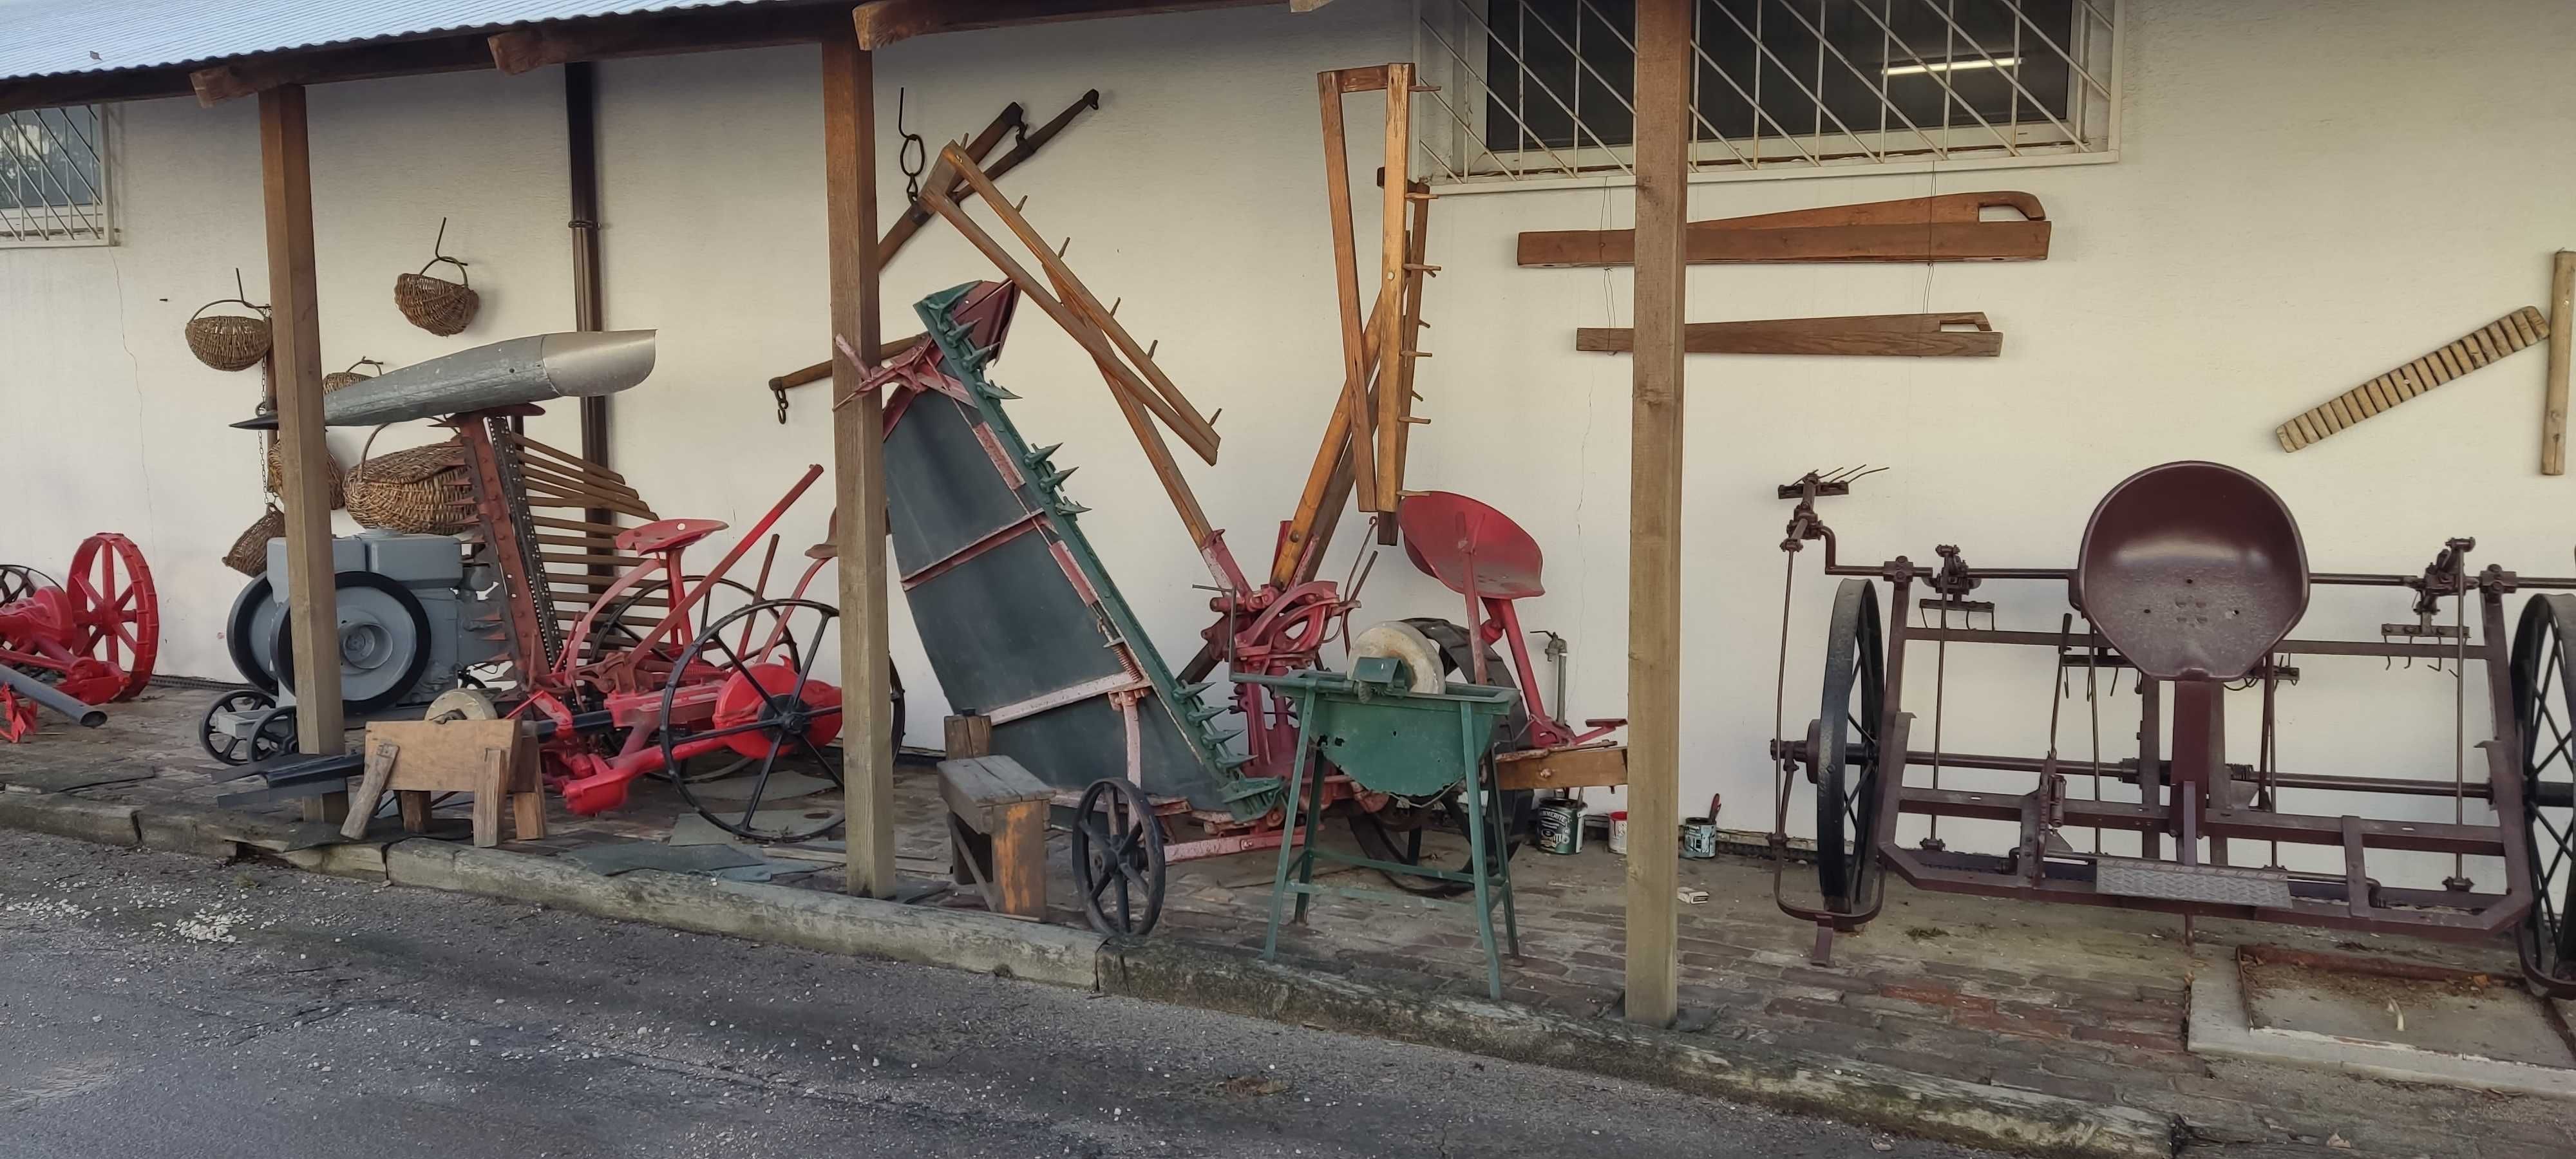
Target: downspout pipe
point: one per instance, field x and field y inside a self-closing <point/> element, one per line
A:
<point x="581" y="138"/>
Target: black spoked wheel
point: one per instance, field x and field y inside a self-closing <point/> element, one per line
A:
<point x="1849" y="714"/>
<point x="2544" y="694"/>
<point x="222" y="743"/>
<point x="274" y="735"/>
<point x="1395" y="833"/>
<point x="770" y="711"/>
<point x="18" y="581"/>
<point x="1118" y="858"/>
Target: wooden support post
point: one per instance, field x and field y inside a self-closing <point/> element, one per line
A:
<point x="286" y="183"/>
<point x="1393" y="252"/>
<point x="858" y="459"/>
<point x="1655" y="505"/>
<point x="2562" y="327"/>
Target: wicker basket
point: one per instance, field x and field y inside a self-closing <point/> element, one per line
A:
<point x="228" y="341"/>
<point x="249" y="555"/>
<point x="423" y="490"/>
<point x="350" y="377"/>
<point x="435" y="304"/>
<point x="277" y="475"/>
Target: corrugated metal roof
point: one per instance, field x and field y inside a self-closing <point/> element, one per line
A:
<point x="52" y="37"/>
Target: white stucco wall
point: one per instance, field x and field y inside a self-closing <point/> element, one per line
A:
<point x="2304" y="198"/>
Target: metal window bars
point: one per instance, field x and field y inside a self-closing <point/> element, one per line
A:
<point x="53" y="177"/>
<point x="1538" y="90"/>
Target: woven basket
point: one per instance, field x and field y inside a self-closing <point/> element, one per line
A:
<point x="249" y="555"/>
<point x="423" y="490"/>
<point x="350" y="377"/>
<point x="277" y="475"/>
<point x="228" y="341"/>
<point x="436" y="304"/>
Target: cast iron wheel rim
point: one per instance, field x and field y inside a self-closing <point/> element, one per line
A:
<point x="410" y="674"/>
<point x="18" y="581"/>
<point x="1118" y="858"/>
<point x="2544" y="693"/>
<point x="242" y="625"/>
<point x="1855" y="689"/>
<point x="225" y="748"/>
<point x="782" y="720"/>
<point x="274" y="735"/>
<point x="1401" y="841"/>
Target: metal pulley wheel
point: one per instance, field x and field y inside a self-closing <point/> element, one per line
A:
<point x="1118" y="861"/>
<point x="1849" y="712"/>
<point x="769" y="711"/>
<point x="384" y="642"/>
<point x="2544" y="697"/>
<point x="221" y="742"/>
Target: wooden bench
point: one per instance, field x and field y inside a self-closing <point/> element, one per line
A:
<point x="997" y="814"/>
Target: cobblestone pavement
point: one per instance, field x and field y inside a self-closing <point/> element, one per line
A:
<point x="2079" y="1002"/>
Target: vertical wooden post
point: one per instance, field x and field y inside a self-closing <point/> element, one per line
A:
<point x="2562" y="328"/>
<point x="858" y="459"/>
<point x="1393" y="252"/>
<point x="286" y="182"/>
<point x="1655" y="507"/>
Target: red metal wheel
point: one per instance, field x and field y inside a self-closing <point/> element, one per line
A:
<point x="116" y="612"/>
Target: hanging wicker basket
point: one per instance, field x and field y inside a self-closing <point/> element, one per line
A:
<point x="228" y="341"/>
<point x="350" y="377"/>
<point x="249" y="554"/>
<point x="277" y="475"/>
<point x="435" y="304"/>
<point x="422" y="490"/>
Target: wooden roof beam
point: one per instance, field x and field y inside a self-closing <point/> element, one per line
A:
<point x="883" y="22"/>
<point x="252" y="75"/>
<point x="536" y="46"/>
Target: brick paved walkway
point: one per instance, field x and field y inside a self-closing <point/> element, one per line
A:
<point x="2084" y="1003"/>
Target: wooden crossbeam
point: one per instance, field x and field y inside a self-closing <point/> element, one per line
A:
<point x="2470" y="352"/>
<point x="1908" y="335"/>
<point x="1946" y="228"/>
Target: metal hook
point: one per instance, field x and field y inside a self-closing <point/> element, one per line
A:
<point x="913" y="155"/>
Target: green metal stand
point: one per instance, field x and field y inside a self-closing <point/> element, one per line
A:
<point x="1386" y="738"/>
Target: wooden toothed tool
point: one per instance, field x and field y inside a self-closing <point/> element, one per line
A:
<point x="2473" y="351"/>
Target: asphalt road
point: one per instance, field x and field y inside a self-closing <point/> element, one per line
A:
<point x="152" y="1004"/>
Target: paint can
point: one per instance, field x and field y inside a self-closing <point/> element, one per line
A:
<point x="1619" y="832"/>
<point x="1560" y="828"/>
<point x="1699" y="834"/>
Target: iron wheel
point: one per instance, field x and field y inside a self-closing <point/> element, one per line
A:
<point x="224" y="747"/>
<point x="274" y="735"/>
<point x="1118" y="858"/>
<point x="2544" y="696"/>
<point x="18" y="581"/>
<point x="779" y="724"/>
<point x="1851" y="709"/>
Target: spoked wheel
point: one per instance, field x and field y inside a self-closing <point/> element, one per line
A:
<point x="617" y="631"/>
<point x="1395" y="833"/>
<point x="1847" y="788"/>
<point x="274" y="735"/>
<point x="222" y="744"/>
<point x="771" y="712"/>
<point x="2544" y="695"/>
<point x="119" y="610"/>
<point x="18" y="581"/>
<point x="1118" y="858"/>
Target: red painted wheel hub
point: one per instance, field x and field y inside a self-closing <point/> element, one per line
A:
<point x="750" y="695"/>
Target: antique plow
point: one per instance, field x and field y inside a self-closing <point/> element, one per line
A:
<point x="2190" y="577"/>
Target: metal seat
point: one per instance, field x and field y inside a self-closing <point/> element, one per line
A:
<point x="2193" y="571"/>
<point x="1458" y="541"/>
<point x="666" y="535"/>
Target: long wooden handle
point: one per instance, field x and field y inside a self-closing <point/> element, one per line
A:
<point x="2562" y="327"/>
<point x="2472" y="351"/>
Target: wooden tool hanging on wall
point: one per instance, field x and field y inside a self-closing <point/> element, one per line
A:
<point x="1966" y="335"/>
<point x="1946" y="228"/>
<point x="2473" y="351"/>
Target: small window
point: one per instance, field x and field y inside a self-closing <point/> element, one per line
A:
<point x="53" y="177"/>
<point x="1538" y="89"/>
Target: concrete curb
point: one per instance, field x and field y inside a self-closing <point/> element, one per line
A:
<point x="1943" y="1109"/>
<point x="1166" y="971"/>
<point x="832" y="922"/>
<point x="73" y="817"/>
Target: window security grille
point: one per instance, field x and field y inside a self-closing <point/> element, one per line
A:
<point x="1536" y="90"/>
<point x="53" y="177"/>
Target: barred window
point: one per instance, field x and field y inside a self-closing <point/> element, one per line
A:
<point x="53" y="177"/>
<point x="1540" y="89"/>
